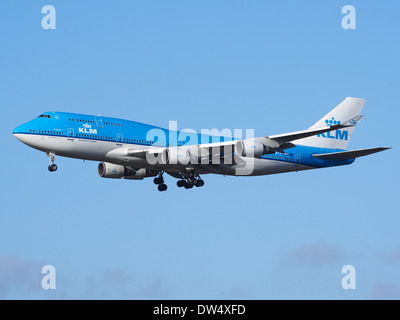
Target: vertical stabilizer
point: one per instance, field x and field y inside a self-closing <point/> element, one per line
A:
<point x="349" y="108"/>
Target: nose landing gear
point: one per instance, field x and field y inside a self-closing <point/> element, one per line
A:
<point x="52" y="166"/>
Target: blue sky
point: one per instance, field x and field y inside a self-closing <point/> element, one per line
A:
<point x="271" y="66"/>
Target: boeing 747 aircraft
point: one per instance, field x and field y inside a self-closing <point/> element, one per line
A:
<point x="133" y="150"/>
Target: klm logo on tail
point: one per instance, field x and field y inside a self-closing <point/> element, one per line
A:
<point x="338" y="134"/>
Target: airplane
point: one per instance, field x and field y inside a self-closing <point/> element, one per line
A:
<point x="133" y="150"/>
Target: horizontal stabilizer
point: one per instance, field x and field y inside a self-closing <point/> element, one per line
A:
<point x="348" y="154"/>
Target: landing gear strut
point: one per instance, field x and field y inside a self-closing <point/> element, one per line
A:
<point x="52" y="166"/>
<point x="189" y="180"/>
<point x="160" y="181"/>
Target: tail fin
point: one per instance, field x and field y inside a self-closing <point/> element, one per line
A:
<point x="348" y="109"/>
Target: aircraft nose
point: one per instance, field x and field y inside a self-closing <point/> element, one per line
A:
<point x="16" y="130"/>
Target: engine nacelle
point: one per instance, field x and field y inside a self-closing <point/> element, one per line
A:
<point x="255" y="149"/>
<point x="116" y="171"/>
<point x="110" y="170"/>
<point x="176" y="156"/>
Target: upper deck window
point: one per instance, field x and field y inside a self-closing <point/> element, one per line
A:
<point x="81" y="120"/>
<point x="44" y="116"/>
<point x="114" y="124"/>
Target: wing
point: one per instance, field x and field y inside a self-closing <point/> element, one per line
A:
<point x="225" y="153"/>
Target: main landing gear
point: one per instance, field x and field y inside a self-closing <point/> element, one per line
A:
<point x="189" y="180"/>
<point x="160" y="181"/>
<point x="52" y="167"/>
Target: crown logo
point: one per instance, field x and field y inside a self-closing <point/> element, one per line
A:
<point x="332" y="122"/>
<point x="87" y="125"/>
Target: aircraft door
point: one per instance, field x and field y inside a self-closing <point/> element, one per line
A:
<point x="297" y="160"/>
<point x="99" y="122"/>
<point x="70" y="133"/>
<point x="120" y="139"/>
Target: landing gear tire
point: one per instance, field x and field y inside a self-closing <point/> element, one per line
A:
<point x="188" y="185"/>
<point x="160" y="182"/>
<point x="189" y="180"/>
<point x="180" y="183"/>
<point x="53" y="167"/>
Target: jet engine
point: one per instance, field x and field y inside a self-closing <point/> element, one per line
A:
<point x="255" y="149"/>
<point x="176" y="156"/>
<point x="116" y="171"/>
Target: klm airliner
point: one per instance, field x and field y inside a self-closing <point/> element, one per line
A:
<point x="133" y="150"/>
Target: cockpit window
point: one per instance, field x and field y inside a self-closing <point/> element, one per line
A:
<point x="44" y="116"/>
